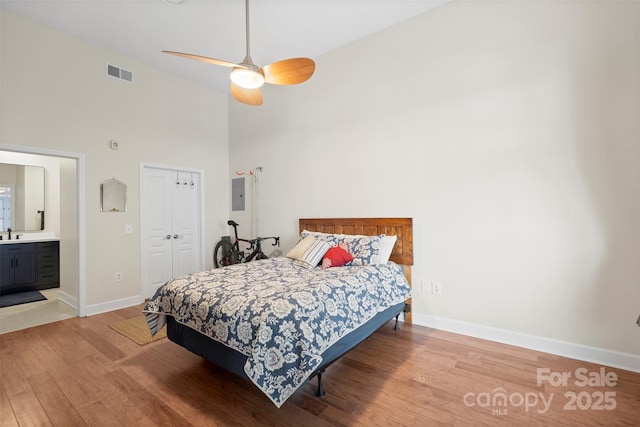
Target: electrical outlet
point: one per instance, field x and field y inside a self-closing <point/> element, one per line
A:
<point x="119" y="276"/>
<point x="437" y="288"/>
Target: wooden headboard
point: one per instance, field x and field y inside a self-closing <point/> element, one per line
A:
<point x="402" y="227"/>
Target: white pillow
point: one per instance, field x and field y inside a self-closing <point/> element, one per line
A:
<point x="386" y="247"/>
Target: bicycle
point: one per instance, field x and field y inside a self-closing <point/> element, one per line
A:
<point x="227" y="253"/>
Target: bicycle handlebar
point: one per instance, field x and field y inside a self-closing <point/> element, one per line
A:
<point x="260" y="239"/>
<point x="276" y="240"/>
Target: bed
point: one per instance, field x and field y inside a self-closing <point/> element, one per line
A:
<point x="282" y="321"/>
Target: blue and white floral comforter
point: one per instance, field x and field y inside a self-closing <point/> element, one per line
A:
<point x="279" y="314"/>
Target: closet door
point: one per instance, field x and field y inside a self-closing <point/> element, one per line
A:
<point x="185" y="224"/>
<point x="170" y="223"/>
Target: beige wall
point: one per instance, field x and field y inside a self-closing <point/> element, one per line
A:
<point x="56" y="96"/>
<point x="508" y="131"/>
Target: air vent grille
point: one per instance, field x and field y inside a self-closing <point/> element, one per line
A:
<point x="119" y="73"/>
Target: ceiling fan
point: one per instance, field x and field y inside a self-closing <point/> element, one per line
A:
<point x="247" y="78"/>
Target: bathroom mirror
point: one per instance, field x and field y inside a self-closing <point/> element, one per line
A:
<point x="113" y="196"/>
<point x="21" y="197"/>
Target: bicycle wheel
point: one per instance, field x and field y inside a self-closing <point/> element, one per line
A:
<point x="220" y="259"/>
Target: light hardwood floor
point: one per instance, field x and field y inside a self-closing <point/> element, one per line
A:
<point x="79" y="372"/>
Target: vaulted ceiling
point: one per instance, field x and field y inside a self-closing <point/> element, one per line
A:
<point x="279" y="29"/>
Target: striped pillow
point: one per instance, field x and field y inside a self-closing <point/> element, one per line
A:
<point x="313" y="255"/>
<point x="301" y="247"/>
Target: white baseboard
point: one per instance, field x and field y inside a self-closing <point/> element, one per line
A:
<point x="71" y="301"/>
<point x="113" y="305"/>
<point x="614" y="359"/>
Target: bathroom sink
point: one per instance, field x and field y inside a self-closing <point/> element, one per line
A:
<point x="28" y="239"/>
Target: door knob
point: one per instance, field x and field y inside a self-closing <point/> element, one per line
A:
<point x="168" y="236"/>
<point x="175" y="236"/>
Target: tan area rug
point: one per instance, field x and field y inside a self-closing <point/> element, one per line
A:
<point x="136" y="330"/>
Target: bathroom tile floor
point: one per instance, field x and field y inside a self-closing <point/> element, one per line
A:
<point x="35" y="313"/>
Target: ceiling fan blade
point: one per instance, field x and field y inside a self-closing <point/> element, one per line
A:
<point x="289" y="71"/>
<point x="204" y="59"/>
<point x="246" y="96"/>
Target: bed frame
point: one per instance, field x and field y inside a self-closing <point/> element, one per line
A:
<point x="402" y="255"/>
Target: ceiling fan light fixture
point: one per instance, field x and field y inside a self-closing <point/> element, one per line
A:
<point x="247" y="78"/>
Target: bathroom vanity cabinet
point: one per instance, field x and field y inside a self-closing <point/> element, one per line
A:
<point x="29" y="266"/>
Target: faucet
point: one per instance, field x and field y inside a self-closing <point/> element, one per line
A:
<point x="9" y="231"/>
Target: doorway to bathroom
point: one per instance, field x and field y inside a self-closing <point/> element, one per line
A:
<point x="64" y="206"/>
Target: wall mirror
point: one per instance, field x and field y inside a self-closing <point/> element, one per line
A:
<point x="21" y="197"/>
<point x="113" y="196"/>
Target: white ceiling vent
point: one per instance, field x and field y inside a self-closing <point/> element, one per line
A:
<point x="119" y="73"/>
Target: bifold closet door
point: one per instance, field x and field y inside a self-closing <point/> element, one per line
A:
<point x="170" y="201"/>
